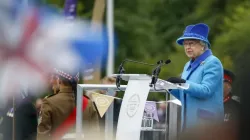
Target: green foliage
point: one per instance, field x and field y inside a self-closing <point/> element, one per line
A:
<point x="233" y="44"/>
<point x="147" y="30"/>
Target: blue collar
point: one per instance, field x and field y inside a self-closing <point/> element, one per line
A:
<point x="193" y="65"/>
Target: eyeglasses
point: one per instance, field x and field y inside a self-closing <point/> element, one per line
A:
<point x="190" y="44"/>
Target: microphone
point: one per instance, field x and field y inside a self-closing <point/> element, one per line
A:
<point x="167" y="61"/>
<point x="121" y="69"/>
<point x="138" y="62"/>
<point x="157" y="71"/>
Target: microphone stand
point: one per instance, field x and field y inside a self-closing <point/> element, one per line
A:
<point x="121" y="70"/>
<point x="156" y="73"/>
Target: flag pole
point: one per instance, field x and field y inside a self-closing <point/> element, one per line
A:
<point x="93" y="72"/>
<point x="13" y="117"/>
<point x="25" y="4"/>
<point x="110" y="27"/>
<point x="110" y="66"/>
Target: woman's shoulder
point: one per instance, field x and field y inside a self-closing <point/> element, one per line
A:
<point x="213" y="59"/>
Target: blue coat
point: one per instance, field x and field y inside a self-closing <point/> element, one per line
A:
<point x="203" y="100"/>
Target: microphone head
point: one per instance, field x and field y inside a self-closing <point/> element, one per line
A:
<point x="168" y="61"/>
<point x="159" y="62"/>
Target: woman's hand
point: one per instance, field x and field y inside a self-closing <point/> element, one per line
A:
<point x="176" y="80"/>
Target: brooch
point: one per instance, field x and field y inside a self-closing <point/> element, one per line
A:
<point x="202" y="63"/>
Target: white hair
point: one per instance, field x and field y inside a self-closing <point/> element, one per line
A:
<point x="205" y="44"/>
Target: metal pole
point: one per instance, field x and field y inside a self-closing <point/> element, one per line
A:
<point x="173" y="118"/>
<point x="167" y="116"/>
<point x="109" y="118"/>
<point x="13" y="118"/>
<point x="110" y="26"/>
<point x="79" y="113"/>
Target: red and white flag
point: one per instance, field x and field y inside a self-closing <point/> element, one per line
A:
<point x="34" y="43"/>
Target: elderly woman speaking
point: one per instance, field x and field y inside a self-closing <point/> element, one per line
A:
<point x="202" y="102"/>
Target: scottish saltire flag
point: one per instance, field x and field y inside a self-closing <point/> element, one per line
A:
<point x="38" y="40"/>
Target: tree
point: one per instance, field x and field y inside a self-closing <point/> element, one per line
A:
<point x="147" y="30"/>
<point x="234" y="43"/>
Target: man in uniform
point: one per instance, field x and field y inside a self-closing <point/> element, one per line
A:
<point x="58" y="107"/>
<point x="231" y="106"/>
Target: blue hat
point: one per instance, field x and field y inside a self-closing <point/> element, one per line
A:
<point x="198" y="31"/>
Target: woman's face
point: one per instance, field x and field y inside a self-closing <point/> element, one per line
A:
<point x="193" y="48"/>
<point x="227" y="89"/>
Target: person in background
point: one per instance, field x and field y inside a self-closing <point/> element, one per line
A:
<point x="54" y="86"/>
<point x="110" y="81"/>
<point x="117" y="103"/>
<point x="162" y="113"/>
<point x="57" y="107"/>
<point x="38" y="105"/>
<point x="202" y="102"/>
<point x="231" y="107"/>
<point x="24" y="115"/>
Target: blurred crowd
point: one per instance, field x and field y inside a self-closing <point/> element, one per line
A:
<point x="51" y="117"/>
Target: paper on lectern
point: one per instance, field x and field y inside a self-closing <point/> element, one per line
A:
<point x="162" y="84"/>
<point x="175" y="101"/>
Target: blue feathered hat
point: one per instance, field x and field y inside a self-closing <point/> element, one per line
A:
<point x="198" y="31"/>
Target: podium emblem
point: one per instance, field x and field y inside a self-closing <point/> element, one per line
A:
<point x="101" y="101"/>
<point x="133" y="105"/>
<point x="150" y="108"/>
